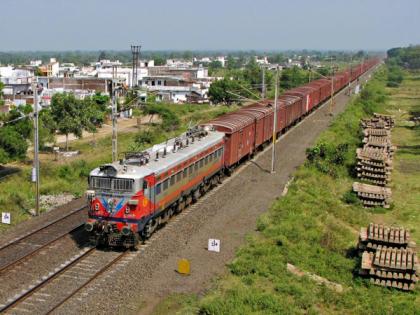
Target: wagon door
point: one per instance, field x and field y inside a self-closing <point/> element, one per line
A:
<point x="240" y="144"/>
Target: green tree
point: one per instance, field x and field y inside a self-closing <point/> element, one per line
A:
<point x="47" y="127"/>
<point x="252" y="73"/>
<point x="38" y="72"/>
<point x="228" y="91"/>
<point x="23" y="126"/>
<point x="12" y="144"/>
<point x="231" y="63"/>
<point x="214" y="66"/>
<point x="293" y="77"/>
<point x="159" y="59"/>
<point x="101" y="100"/>
<point x="102" y="55"/>
<point x="93" y="116"/>
<point x="68" y="114"/>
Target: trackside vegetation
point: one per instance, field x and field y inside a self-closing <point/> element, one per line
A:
<point x="315" y="226"/>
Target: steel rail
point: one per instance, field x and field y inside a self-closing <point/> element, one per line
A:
<point x="36" y="230"/>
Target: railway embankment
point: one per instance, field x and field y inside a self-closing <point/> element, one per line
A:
<point x="315" y="226"/>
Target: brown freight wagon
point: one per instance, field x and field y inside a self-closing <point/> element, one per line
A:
<point x="239" y="131"/>
<point x="307" y="94"/>
<point x="324" y="89"/>
<point x="263" y="116"/>
<point x="293" y="109"/>
<point x="318" y="86"/>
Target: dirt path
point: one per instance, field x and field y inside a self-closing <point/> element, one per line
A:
<point x="124" y="125"/>
<point x="227" y="213"/>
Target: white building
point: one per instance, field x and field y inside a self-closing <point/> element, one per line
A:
<point x="261" y="61"/>
<point x="15" y="79"/>
<point x="222" y="60"/>
<point x="68" y="70"/>
<point x="53" y="68"/>
<point x="35" y="63"/>
<point x="178" y="63"/>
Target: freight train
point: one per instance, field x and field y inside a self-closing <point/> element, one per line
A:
<point x="129" y="199"/>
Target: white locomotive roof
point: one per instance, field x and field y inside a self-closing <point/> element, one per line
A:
<point x="128" y="169"/>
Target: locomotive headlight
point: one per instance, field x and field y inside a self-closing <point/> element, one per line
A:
<point x="96" y="206"/>
<point x="89" y="227"/>
<point x="127" y="210"/>
<point x="90" y="194"/>
<point x="126" y="230"/>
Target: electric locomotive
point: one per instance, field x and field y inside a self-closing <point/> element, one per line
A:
<point x="129" y="199"/>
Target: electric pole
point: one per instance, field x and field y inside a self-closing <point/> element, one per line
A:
<point x="114" y="115"/>
<point x="35" y="170"/>
<point x="332" y="89"/>
<point x="135" y="51"/>
<point x="263" y="83"/>
<point x="350" y="73"/>
<point x="273" y="152"/>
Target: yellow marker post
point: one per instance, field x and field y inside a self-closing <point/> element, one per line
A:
<point x="184" y="266"/>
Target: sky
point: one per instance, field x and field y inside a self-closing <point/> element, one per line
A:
<point x="208" y="25"/>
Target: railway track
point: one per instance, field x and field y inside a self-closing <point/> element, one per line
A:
<point x="55" y="288"/>
<point x="35" y="240"/>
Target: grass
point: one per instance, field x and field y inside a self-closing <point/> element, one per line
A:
<point x="70" y="175"/>
<point x="315" y="227"/>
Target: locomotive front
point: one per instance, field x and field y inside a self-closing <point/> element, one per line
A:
<point x="118" y="203"/>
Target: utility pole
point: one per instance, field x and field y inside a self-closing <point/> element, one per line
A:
<point x="263" y="83"/>
<point x="35" y="170"/>
<point x="350" y="73"/>
<point x="114" y="115"/>
<point x="135" y="51"/>
<point x="332" y="90"/>
<point x="273" y="152"/>
<point x="309" y="75"/>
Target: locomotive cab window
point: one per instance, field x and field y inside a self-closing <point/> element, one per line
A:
<point x="185" y="172"/>
<point x="158" y="188"/>
<point x="165" y="184"/>
<point x="178" y="176"/>
<point x="172" y="180"/>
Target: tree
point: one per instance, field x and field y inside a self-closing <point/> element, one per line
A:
<point x="12" y="145"/>
<point x="101" y="100"/>
<point x="102" y="56"/>
<point x="93" y="116"/>
<point x="22" y="125"/>
<point x="38" y="72"/>
<point x="227" y="91"/>
<point x="214" y="65"/>
<point x="231" y="63"/>
<point x="293" y="77"/>
<point x="159" y="60"/>
<point x="47" y="127"/>
<point x="68" y="115"/>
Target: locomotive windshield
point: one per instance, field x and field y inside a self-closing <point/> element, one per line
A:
<point x="111" y="183"/>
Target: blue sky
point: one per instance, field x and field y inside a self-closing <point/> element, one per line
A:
<point x="208" y="25"/>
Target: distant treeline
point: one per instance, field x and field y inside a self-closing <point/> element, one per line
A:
<point x="80" y="57"/>
<point x="407" y="57"/>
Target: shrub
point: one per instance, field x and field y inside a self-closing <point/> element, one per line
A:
<point x="350" y="197"/>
